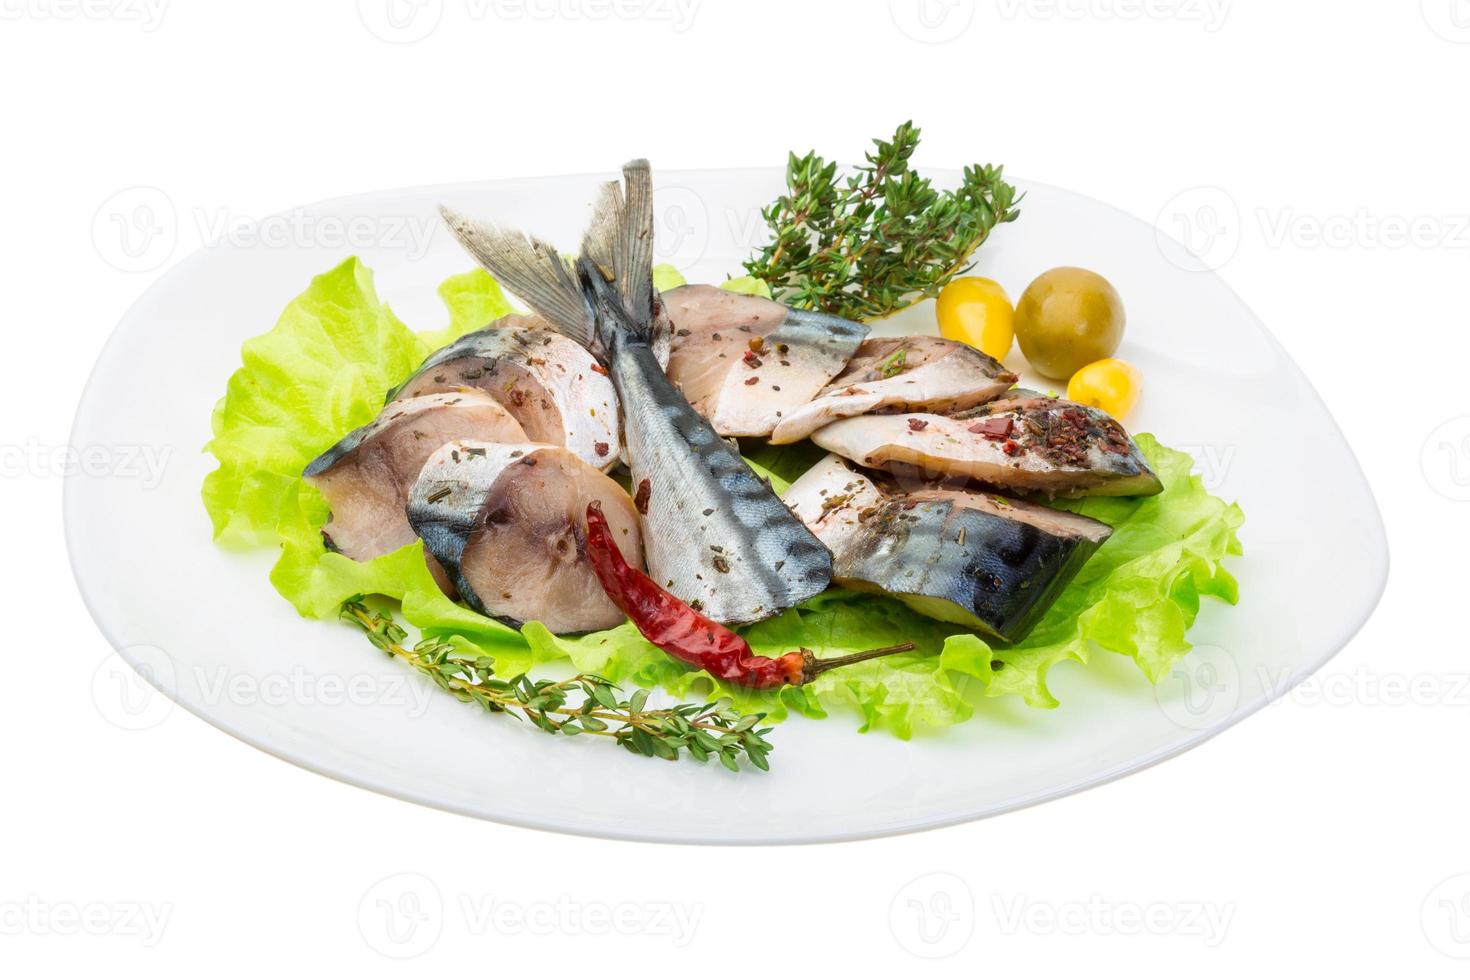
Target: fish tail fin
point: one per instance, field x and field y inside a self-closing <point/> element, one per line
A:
<point x="634" y="257"/>
<point x="599" y="241"/>
<point x="607" y="292"/>
<point x="532" y="270"/>
<point x="618" y="248"/>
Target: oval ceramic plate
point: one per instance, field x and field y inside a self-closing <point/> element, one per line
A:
<point x="208" y="629"/>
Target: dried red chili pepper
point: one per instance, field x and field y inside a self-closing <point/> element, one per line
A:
<point x="676" y="628"/>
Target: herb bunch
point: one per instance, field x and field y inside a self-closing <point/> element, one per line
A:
<point x="868" y="245"/>
<point x="705" y="731"/>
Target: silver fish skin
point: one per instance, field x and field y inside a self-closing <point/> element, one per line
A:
<point x="553" y="387"/>
<point x="714" y="533"/>
<point x="746" y="362"/>
<point x="1015" y="445"/>
<point x="984" y="561"/>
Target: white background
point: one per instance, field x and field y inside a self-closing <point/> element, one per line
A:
<point x="1326" y="833"/>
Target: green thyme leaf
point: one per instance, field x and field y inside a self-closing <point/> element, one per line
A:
<point x="869" y="244"/>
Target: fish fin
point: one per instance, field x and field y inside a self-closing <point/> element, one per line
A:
<point x="529" y="268"/>
<point x="617" y="250"/>
<point x="599" y="241"/>
<point x="618" y="247"/>
<point x="633" y="248"/>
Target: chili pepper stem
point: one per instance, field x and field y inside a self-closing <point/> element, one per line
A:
<point x="812" y="667"/>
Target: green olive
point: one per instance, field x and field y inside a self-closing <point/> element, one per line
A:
<point x="1067" y="319"/>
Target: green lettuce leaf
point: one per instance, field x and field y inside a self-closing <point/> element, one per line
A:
<point x="323" y="370"/>
<point x="749" y="285"/>
<point x="474" y="300"/>
<point x="319" y="373"/>
<point x="666" y="277"/>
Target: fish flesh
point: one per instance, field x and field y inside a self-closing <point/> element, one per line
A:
<point x="367" y="475"/>
<point x="507" y="523"/>
<point x="901" y="374"/>
<point x="715" y="534"/>
<point x="746" y="362"/>
<point x="977" y="559"/>
<point x="558" y="393"/>
<point x="1031" y="444"/>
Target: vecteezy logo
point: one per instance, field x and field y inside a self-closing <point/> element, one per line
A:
<point x="131" y="687"/>
<point x="1206" y="221"/>
<point x="933" y="916"/>
<point x="681" y="227"/>
<point x="1445" y="459"/>
<point x="401" y="916"/>
<point x="1450" y="19"/>
<point x="400" y="21"/>
<point x="1445" y="917"/>
<point x="136" y="229"/>
<point x="1202" y="689"/>
<point x="932" y="21"/>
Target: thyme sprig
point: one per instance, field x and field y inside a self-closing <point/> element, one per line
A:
<point x="882" y="239"/>
<point x="705" y="731"/>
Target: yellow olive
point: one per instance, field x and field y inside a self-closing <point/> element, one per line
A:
<point x="1068" y="318"/>
<point x="976" y="311"/>
<point x="1110" y="384"/>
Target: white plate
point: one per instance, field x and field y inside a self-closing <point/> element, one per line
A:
<point x="210" y="631"/>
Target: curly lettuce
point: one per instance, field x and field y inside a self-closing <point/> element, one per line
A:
<point x="323" y="370"/>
